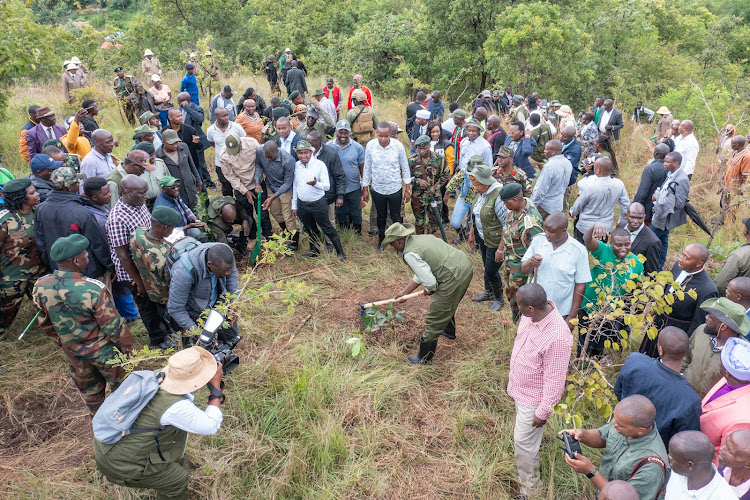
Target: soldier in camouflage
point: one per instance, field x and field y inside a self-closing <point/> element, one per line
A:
<point x="223" y="213"/>
<point x="522" y="224"/>
<point x="428" y="172"/>
<point x="124" y="89"/>
<point x="20" y="261"/>
<point x="78" y="313"/>
<point x="506" y="173"/>
<point x="150" y="250"/>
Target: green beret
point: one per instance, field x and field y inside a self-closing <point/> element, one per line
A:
<point x="16" y="185"/>
<point x="280" y="111"/>
<point x="510" y="191"/>
<point x="294" y="95"/>
<point x="422" y="140"/>
<point x="68" y="246"/>
<point x="167" y="216"/>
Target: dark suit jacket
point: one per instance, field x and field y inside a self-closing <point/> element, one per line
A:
<point x="652" y="177"/>
<point x="687" y="313"/>
<point x="186" y="134"/>
<point x="648" y="245"/>
<point x="185" y="171"/>
<point x="295" y="80"/>
<point x="336" y="174"/>
<point x="615" y="119"/>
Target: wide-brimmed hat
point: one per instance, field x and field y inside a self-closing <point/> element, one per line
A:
<point x="319" y="92"/>
<point x="145" y="117"/>
<point x="459" y="113"/>
<point x="188" y="370"/>
<point x="396" y="231"/>
<point x="730" y="313"/>
<point x="144" y="129"/>
<point x="74" y="59"/>
<point x="147" y="52"/>
<point x="554" y="102"/>
<point x="473" y="122"/>
<point x="517" y="98"/>
<point x="482" y="173"/>
<point x="663" y="111"/>
<point x="299" y="109"/>
<point x="303" y="146"/>
<point x="71" y="66"/>
<point x="564" y="111"/>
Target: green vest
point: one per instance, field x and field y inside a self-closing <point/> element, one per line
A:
<point x="541" y="135"/>
<point x="127" y="458"/>
<point x="446" y="262"/>
<point x="492" y="228"/>
<point x="115" y="176"/>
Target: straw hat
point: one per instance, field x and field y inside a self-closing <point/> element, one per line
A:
<point x="564" y="111"/>
<point x="188" y="370"/>
<point x="663" y="111"/>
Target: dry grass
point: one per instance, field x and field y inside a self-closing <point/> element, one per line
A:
<point x="303" y="419"/>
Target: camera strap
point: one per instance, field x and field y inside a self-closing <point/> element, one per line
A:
<point x="216" y="393"/>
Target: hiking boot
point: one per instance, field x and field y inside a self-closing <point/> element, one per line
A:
<point x="164" y="344"/>
<point x="426" y="352"/>
<point x="487" y="295"/>
<point x="497" y="304"/>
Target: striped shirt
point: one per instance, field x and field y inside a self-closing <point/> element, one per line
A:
<point x="539" y="362"/>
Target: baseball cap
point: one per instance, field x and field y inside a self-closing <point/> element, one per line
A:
<point x="43" y="162"/>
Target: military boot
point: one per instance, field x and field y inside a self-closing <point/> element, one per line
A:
<point x="339" y="249"/>
<point x="450" y="330"/>
<point x="497" y="292"/>
<point x="426" y="351"/>
<point x="487" y="295"/>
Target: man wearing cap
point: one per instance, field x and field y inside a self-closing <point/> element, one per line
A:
<point x="71" y="80"/>
<point x="77" y="312"/>
<point x="136" y="163"/>
<point x="357" y="85"/>
<point x="474" y="144"/>
<point x="216" y="135"/>
<point x="124" y="89"/>
<point x="518" y="111"/>
<point x="46" y="129"/>
<point x="505" y="172"/>
<point x="422" y="117"/>
<point x="484" y="101"/>
<point x="223" y="100"/>
<point x="726" y="407"/>
<point x="325" y="104"/>
<point x="445" y="274"/>
<point x="642" y="114"/>
<point x="152" y="120"/>
<point x="64" y="213"/>
<point x="295" y="79"/>
<point x="316" y="120"/>
<point x="429" y="173"/>
<point x="352" y="156"/>
<point x="129" y="462"/>
<point x="664" y="126"/>
<point x="170" y="198"/>
<point x="361" y="117"/>
<point x="150" y="65"/>
<point x="176" y="156"/>
<point x="238" y="166"/>
<point x="309" y="202"/>
<point x="724" y="320"/>
<point x="523" y="222"/>
<point x="99" y="162"/>
<point x="737" y="262"/>
<point x="20" y="261"/>
<point x="189" y="83"/>
<point x="42" y="167"/>
<point x="142" y="100"/>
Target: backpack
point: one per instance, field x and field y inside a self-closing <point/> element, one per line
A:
<point x="119" y="411"/>
<point x="180" y="247"/>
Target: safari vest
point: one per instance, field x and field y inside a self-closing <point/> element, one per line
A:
<point x="446" y="263"/>
<point x="363" y="128"/>
<point x="492" y="228"/>
<point x="514" y="113"/>
<point x="127" y="458"/>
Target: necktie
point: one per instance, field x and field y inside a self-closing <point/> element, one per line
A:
<point x="49" y="133"/>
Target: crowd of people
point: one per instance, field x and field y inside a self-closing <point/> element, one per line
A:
<point x="98" y="242"/>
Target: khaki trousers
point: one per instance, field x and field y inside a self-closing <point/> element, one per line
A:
<point x="526" y="440"/>
<point x="332" y="213"/>
<point x="281" y="211"/>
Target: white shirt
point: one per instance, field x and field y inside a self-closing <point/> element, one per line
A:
<point x="188" y="417"/>
<point x="478" y="146"/>
<point x="634" y="234"/>
<point x="604" y="120"/>
<point x="286" y="144"/>
<point x="327" y="105"/>
<point x="688" y="147"/>
<point x="717" y="489"/>
<point x="301" y="190"/>
<point x="560" y="269"/>
<point x="682" y="277"/>
<point x="213" y="134"/>
<point x="449" y="126"/>
<point x="385" y="167"/>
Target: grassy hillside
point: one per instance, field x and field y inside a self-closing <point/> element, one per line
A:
<point x="302" y="418"/>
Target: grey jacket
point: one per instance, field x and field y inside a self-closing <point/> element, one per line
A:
<point x="673" y="210"/>
<point x="185" y="171"/>
<point x="295" y="80"/>
<point x="190" y="291"/>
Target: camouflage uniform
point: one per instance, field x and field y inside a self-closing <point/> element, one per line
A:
<point x="72" y="161"/>
<point x="516" y="175"/>
<point x="519" y="230"/>
<point x="79" y="314"/>
<point x="269" y="133"/>
<point x="20" y="263"/>
<point x="150" y="257"/>
<point x="435" y="172"/>
<point x="124" y="88"/>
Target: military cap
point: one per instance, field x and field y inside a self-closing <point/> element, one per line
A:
<point x="232" y="144"/>
<point x="343" y="125"/>
<point x="294" y="95"/>
<point x="42" y="161"/>
<point x="554" y="102"/>
<point x="359" y="95"/>
<point x="53" y="142"/>
<point x="146" y="117"/>
<point x="505" y="151"/>
<point x="68" y="246"/>
<point x="168" y="181"/>
<point x="167" y="216"/>
<point x="510" y="191"/>
<point x="318" y="92"/>
<point x="16" y="185"/>
<point x="422" y="140"/>
<point x="482" y="173"/>
<point x="396" y="231"/>
<point x="495" y="93"/>
<point x="303" y="146"/>
<point x="170" y="136"/>
<point x="280" y="112"/>
<point x="730" y="313"/>
<point x="459" y="113"/>
<point x="117" y="68"/>
<point x="145" y="146"/>
<point x="475" y="160"/>
<point x="189" y="66"/>
<point x="64" y="177"/>
<point x="313" y="112"/>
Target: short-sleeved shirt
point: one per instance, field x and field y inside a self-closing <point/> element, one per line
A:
<point x="351" y="156"/>
<point x="122" y="221"/>
<point x="560" y="269"/>
<point x="213" y="134"/>
<point x="621" y="456"/>
<point x="150" y="257"/>
<point x="600" y="275"/>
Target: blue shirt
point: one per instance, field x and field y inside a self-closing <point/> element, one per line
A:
<point x="189" y="84"/>
<point x="351" y="156"/>
<point x="436" y="109"/>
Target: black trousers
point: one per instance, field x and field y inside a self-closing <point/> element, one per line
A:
<point x="607" y="330"/>
<point x="265" y="222"/>
<point x="154" y="316"/>
<point x="387" y="204"/>
<point x="314" y="215"/>
<point x="226" y="186"/>
<point x="266" y="228"/>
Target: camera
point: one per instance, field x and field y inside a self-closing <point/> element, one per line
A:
<point x="221" y="350"/>
<point x="571" y="445"/>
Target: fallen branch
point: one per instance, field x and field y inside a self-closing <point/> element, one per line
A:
<point x="299" y="327"/>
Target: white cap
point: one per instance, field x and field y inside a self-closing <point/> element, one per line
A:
<point x="288" y="49"/>
<point x="71" y="66"/>
<point x="424" y="114"/>
<point x="147" y="52"/>
<point x="155" y="78"/>
<point x="74" y="59"/>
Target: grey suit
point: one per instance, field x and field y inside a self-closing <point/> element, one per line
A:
<point x="295" y="80"/>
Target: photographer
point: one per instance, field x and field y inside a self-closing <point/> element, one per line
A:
<point x="140" y="461"/>
<point x="633" y="449"/>
<point x="199" y="279"/>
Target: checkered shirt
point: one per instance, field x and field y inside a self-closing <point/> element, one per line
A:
<point x="123" y="219"/>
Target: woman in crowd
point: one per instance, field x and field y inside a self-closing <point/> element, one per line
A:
<point x="162" y="95"/>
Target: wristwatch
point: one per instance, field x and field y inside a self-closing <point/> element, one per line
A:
<point x="592" y="473"/>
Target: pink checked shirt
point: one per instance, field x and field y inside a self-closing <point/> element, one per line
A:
<point x="539" y="362"/>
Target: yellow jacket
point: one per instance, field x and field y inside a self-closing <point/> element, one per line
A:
<point x="74" y="142"/>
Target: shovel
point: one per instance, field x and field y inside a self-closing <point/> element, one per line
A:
<point x="364" y="307"/>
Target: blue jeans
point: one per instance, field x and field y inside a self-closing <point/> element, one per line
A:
<point x="351" y="211"/>
<point x="164" y="117"/>
<point x="460" y="210"/>
<point x="663" y="235"/>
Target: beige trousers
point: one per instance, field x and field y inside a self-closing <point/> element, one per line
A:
<point x="526" y="440"/>
<point x="332" y="213"/>
<point x="281" y="210"/>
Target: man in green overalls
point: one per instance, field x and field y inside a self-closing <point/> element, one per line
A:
<point x="444" y="272"/>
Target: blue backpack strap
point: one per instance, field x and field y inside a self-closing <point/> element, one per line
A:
<point x="187" y="264"/>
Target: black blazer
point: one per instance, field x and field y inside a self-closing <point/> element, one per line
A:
<point x="648" y="245"/>
<point x="615" y="119"/>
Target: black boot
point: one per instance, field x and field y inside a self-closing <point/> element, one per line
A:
<point x="339" y="249"/>
<point x="487" y="295"/>
<point x="450" y="330"/>
<point x="294" y="245"/>
<point x="282" y="225"/>
<point x="358" y="229"/>
<point x="462" y="235"/>
<point x="497" y="292"/>
<point x="242" y="244"/>
<point x="426" y="351"/>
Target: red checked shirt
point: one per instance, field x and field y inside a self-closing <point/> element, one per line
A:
<point x="539" y="362"/>
<point x="123" y="219"/>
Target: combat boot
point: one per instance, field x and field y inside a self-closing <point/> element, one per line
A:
<point x="450" y="330"/>
<point x="487" y="295"/>
<point x="497" y="292"/>
<point x="426" y="352"/>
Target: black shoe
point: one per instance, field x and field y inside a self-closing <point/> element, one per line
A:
<point x="311" y="254"/>
<point x="487" y="295"/>
<point x="358" y="229"/>
<point x="497" y="304"/>
<point x="294" y="245"/>
<point x="243" y="251"/>
<point x="426" y="352"/>
<point x="164" y="344"/>
<point x="380" y="248"/>
<point x="339" y="249"/>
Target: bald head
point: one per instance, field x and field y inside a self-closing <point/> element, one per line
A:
<point x="554" y="145"/>
<point x="270" y="147"/>
<point x="603" y="167"/>
<point x="173" y="113"/>
<point x="480" y="114"/>
<point x="532" y="295"/>
<point x="738" y="142"/>
<point x="693" y="446"/>
<point x="636" y="208"/>
<point x="660" y="151"/>
<point x="557" y="221"/>
<point x="740" y="441"/>
<point x="183" y="97"/>
<point x="493" y="122"/>
<point x="618" y="490"/>
<point x="699" y="251"/>
<point x="741" y="285"/>
<point x="687" y="127"/>
<point x="133" y="182"/>
<point x="639" y="410"/>
<point x="228" y="213"/>
<point x="673" y="344"/>
<point x="567" y="134"/>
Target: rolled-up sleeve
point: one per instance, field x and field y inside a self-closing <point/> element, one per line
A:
<point x="422" y="272"/>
